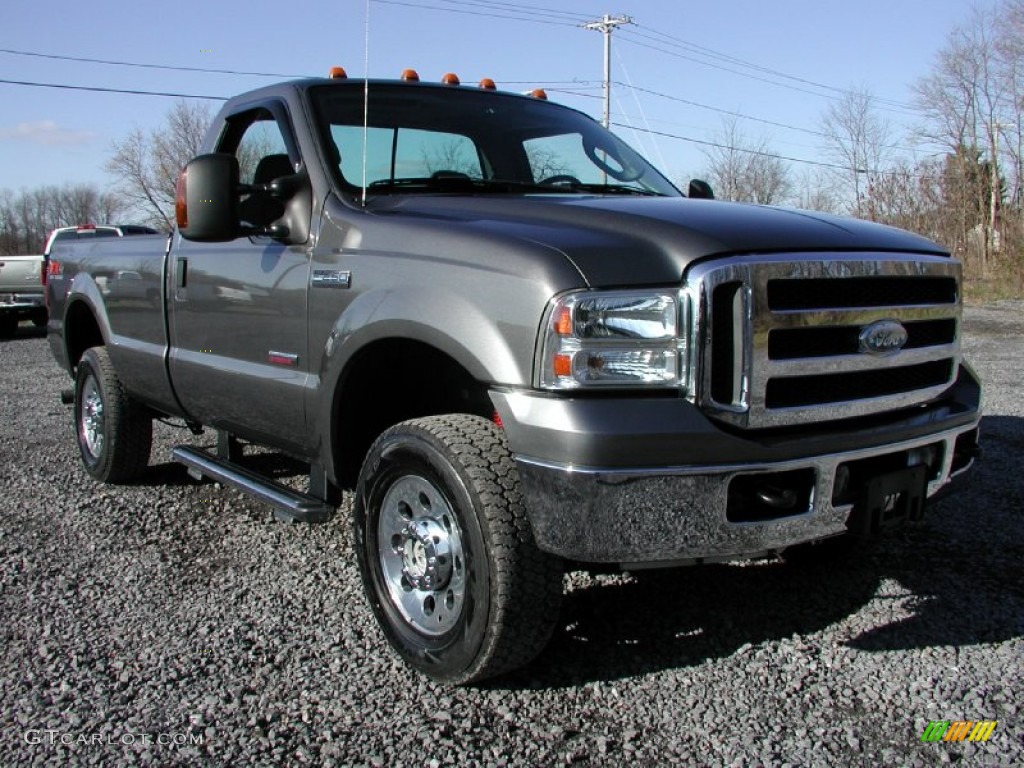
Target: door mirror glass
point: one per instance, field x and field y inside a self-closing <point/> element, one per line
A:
<point x="206" y="204"/>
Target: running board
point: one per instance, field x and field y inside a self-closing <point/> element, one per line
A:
<point x="288" y="503"/>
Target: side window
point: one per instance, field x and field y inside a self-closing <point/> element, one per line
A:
<point x="258" y="141"/>
<point x="262" y="151"/>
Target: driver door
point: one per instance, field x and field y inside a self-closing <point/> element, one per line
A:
<point x="238" y="309"/>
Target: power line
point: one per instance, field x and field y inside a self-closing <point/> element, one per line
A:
<point x="520" y="8"/>
<point x="721" y="110"/>
<point x="758" y="152"/>
<point x="143" y="65"/>
<point x="705" y="143"/>
<point x="743" y="116"/>
<point x="627" y="36"/>
<point x="112" y="90"/>
<point x="476" y="13"/>
<point x="711" y="53"/>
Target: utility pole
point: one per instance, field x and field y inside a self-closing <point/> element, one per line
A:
<point x="606" y="25"/>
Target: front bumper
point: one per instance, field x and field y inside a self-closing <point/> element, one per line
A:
<point x="666" y="486"/>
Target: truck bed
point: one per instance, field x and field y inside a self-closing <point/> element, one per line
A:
<point x="124" y="276"/>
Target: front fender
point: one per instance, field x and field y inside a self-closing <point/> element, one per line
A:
<point x="485" y="341"/>
<point x="491" y="349"/>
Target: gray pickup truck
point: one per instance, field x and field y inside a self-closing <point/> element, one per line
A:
<point x="522" y="348"/>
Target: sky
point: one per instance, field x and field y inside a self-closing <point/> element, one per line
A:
<point x="778" y="64"/>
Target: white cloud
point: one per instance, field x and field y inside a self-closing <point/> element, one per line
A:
<point x="45" y="132"/>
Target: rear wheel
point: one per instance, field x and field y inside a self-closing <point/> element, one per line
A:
<point x="115" y="433"/>
<point x="446" y="551"/>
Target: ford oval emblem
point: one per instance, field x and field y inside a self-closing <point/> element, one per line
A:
<point x="884" y="337"/>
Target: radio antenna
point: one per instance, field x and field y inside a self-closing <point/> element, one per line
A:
<point x="366" y="93"/>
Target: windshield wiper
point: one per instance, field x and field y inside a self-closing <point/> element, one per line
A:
<point x="605" y="189"/>
<point x="459" y="184"/>
<point x="469" y="185"/>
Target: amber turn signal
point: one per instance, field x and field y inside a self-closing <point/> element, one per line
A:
<point x="180" y="205"/>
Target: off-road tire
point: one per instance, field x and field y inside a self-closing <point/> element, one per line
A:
<point x="115" y="440"/>
<point x="460" y="469"/>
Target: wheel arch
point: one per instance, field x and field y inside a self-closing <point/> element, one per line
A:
<point x="391" y="380"/>
<point x="82" y="330"/>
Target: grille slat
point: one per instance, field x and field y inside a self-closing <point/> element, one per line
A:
<point x="827" y="341"/>
<point x="880" y="291"/>
<point x="796" y="391"/>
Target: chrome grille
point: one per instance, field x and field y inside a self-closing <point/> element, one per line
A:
<point x="778" y="337"/>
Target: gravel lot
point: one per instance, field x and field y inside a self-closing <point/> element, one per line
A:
<point x="173" y="623"/>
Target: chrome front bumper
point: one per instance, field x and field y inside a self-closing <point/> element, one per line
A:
<point x="678" y="515"/>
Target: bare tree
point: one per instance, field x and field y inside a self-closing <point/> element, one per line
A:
<point x="815" y="191"/>
<point x="1010" y="54"/>
<point x="28" y="217"/>
<point x="910" y="196"/>
<point x="147" y="166"/>
<point x="746" y="170"/>
<point x="967" y="101"/>
<point x="858" y="140"/>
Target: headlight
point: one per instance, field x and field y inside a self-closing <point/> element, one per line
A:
<point x="612" y="339"/>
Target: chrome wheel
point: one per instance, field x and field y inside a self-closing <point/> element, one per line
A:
<point x="421" y="555"/>
<point x="114" y="432"/>
<point x="92" y="418"/>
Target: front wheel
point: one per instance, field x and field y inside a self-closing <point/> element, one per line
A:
<point x="115" y="433"/>
<point x="446" y="552"/>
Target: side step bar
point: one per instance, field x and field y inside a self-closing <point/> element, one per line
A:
<point x="288" y="503"/>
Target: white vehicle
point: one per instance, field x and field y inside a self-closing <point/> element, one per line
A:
<point x="21" y="292"/>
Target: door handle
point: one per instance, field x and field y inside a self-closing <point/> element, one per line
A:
<point x="181" y="272"/>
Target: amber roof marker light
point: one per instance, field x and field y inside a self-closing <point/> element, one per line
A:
<point x="337" y="73"/>
<point x="488" y="85"/>
<point x="450" y="78"/>
<point x="410" y="75"/>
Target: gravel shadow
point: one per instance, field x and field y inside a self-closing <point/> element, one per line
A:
<point x="25" y="331"/>
<point x="958" y="578"/>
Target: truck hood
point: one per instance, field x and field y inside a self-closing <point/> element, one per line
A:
<point x="641" y="240"/>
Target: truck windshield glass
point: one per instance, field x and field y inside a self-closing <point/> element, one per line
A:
<point x="422" y="138"/>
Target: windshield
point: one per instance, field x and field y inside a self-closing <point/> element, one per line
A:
<point x="448" y="139"/>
